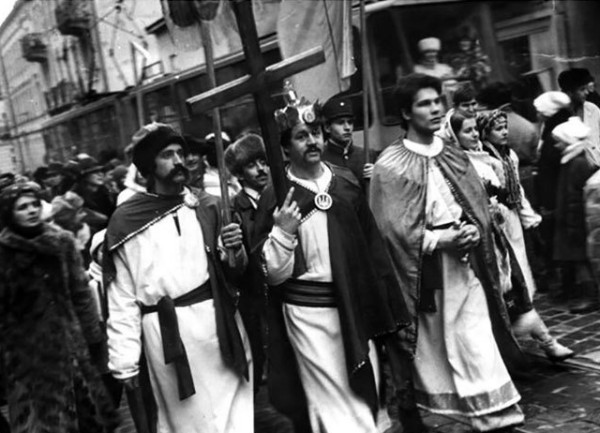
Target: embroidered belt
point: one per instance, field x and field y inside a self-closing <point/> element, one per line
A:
<point x="309" y="293"/>
<point x="173" y="348"/>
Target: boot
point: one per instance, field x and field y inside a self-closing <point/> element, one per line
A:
<point x="589" y="301"/>
<point x="555" y="351"/>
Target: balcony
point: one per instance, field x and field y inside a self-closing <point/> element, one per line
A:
<point x="61" y="97"/>
<point x="33" y="48"/>
<point x="72" y="17"/>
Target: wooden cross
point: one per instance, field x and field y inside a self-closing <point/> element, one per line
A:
<point x="257" y="83"/>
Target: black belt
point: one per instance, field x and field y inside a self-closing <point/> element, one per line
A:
<point x="173" y="348"/>
<point x="309" y="293"/>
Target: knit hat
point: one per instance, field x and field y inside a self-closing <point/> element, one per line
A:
<point x="549" y="103"/>
<point x="65" y="207"/>
<point x="149" y="140"/>
<point x="573" y="78"/>
<point x="429" y="44"/>
<point x="337" y="107"/>
<point x="243" y="151"/>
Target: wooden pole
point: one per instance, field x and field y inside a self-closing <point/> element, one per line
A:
<point x="216" y="119"/>
<point x="365" y="80"/>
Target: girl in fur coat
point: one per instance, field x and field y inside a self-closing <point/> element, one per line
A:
<point x="48" y="325"/>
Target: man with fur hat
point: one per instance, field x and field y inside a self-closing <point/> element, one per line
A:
<point x="338" y="116"/>
<point x="166" y="261"/>
<point x="246" y="159"/>
<point x="332" y="293"/>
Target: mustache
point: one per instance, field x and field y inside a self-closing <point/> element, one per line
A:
<point x="178" y="169"/>
<point x="312" y="149"/>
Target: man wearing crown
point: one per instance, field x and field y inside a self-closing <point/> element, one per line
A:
<point x="165" y="268"/>
<point x="332" y="294"/>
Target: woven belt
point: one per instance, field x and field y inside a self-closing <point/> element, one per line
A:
<point x="173" y="348"/>
<point x="309" y="293"/>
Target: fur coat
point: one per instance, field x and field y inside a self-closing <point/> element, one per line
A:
<point x="47" y="323"/>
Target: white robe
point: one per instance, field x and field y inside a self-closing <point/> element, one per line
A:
<point x="458" y="367"/>
<point x="315" y="333"/>
<point x="158" y="262"/>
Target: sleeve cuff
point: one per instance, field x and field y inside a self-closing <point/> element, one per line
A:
<point x="430" y="241"/>
<point x="283" y="238"/>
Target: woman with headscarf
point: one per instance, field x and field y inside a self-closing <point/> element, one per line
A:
<point x="495" y="164"/>
<point x="49" y="329"/>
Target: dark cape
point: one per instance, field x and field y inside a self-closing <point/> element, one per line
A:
<point x="369" y="303"/>
<point x="398" y="200"/>
<point x="143" y="210"/>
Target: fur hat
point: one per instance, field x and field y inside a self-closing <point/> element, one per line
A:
<point x="337" y="107"/>
<point x="549" y="103"/>
<point x="243" y="151"/>
<point x="149" y="140"/>
<point x="573" y="78"/>
<point x="429" y="44"/>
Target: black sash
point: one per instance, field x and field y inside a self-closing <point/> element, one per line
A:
<point x="173" y="348"/>
<point x="308" y="293"/>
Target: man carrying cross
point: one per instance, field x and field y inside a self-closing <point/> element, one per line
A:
<point x="168" y="296"/>
<point x="332" y="293"/>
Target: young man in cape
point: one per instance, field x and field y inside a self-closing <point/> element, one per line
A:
<point x="165" y="266"/>
<point x="432" y="211"/>
<point x="332" y="293"/>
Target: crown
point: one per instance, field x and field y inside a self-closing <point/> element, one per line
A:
<point x="296" y="111"/>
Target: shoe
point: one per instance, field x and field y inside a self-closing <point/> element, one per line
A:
<point x="555" y="351"/>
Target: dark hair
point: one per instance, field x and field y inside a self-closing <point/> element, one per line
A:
<point x="571" y="79"/>
<point x="457" y="119"/>
<point x="494" y="95"/>
<point x="409" y="86"/>
<point x="285" y="136"/>
<point x="464" y="93"/>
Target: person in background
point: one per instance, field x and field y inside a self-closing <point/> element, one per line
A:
<point x="593" y="95"/>
<point x="68" y="213"/>
<point x="470" y="63"/>
<point x="464" y="99"/>
<point x="52" y="343"/>
<point x="246" y="159"/>
<point x="431" y="208"/>
<point x="211" y="180"/>
<point x="194" y="162"/>
<point x="429" y="49"/>
<point x="90" y="186"/>
<point x="115" y="180"/>
<point x="338" y="116"/>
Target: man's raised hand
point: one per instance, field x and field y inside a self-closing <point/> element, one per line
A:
<point x="288" y="217"/>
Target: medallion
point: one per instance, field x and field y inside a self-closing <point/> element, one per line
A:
<point x="323" y="201"/>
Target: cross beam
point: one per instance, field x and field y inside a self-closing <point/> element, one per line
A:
<point x="257" y="83"/>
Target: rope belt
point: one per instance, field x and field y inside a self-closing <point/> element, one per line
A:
<point x="309" y="293"/>
<point x="173" y="348"/>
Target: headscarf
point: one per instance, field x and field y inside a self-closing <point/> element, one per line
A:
<point x="11" y="194"/>
<point x="447" y="133"/>
<point x="485" y="123"/>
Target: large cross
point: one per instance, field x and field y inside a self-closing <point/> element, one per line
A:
<point x="256" y="83"/>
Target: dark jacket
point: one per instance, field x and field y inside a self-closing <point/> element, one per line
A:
<point x="353" y="158"/>
<point x="570" y="232"/>
<point x="48" y="320"/>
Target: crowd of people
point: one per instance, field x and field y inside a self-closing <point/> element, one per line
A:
<point x="414" y="270"/>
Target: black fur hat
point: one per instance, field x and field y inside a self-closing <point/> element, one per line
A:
<point x="149" y="141"/>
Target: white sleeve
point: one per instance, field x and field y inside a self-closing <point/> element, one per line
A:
<point x="430" y="241"/>
<point x="124" y="325"/>
<point x="278" y="253"/>
<point x="529" y="218"/>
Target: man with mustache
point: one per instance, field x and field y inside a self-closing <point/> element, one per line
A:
<point x="432" y="210"/>
<point x="332" y="296"/>
<point x="166" y="260"/>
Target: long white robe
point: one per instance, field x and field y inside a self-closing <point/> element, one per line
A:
<point x="458" y="367"/>
<point x="157" y="262"/>
<point x="315" y="333"/>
